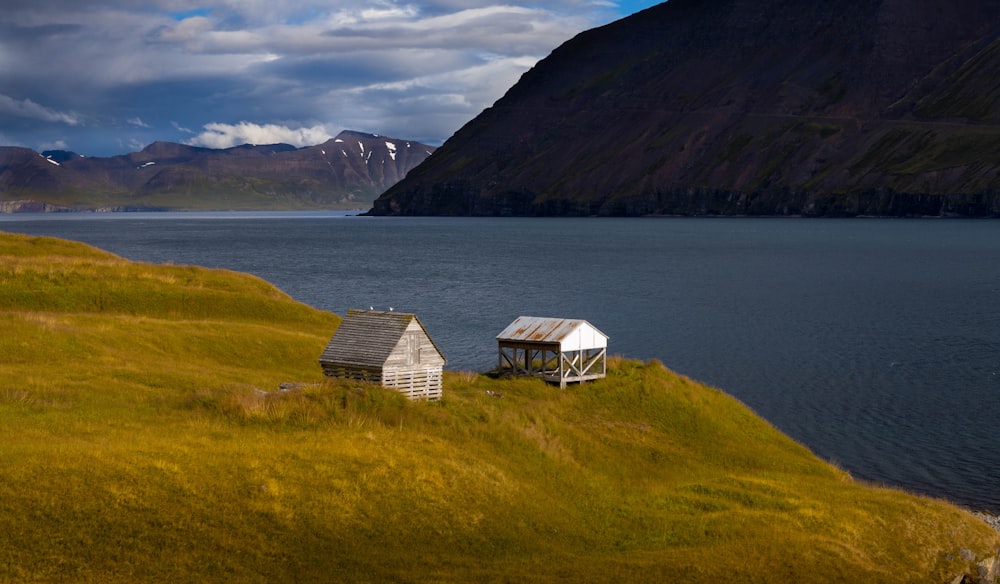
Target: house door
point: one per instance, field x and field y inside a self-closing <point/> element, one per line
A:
<point x="413" y="348"/>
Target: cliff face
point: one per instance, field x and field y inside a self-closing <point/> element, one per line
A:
<point x="349" y="170"/>
<point x="885" y="107"/>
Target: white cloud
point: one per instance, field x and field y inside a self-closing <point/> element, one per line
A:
<point x="492" y="28"/>
<point x="411" y="69"/>
<point x="187" y="30"/>
<point x="56" y="145"/>
<point x="131" y="145"/>
<point x="25" y="108"/>
<point x="218" y="135"/>
<point x="389" y="13"/>
<point x="416" y="108"/>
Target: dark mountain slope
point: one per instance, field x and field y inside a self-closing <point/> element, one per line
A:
<point x="347" y="171"/>
<point x="739" y="107"/>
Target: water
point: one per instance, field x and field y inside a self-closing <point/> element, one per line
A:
<point x="876" y="343"/>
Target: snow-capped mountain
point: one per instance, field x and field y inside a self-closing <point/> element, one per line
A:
<point x="348" y="171"/>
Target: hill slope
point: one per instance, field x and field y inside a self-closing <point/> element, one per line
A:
<point x="145" y="439"/>
<point x="348" y="171"/>
<point x="740" y="107"/>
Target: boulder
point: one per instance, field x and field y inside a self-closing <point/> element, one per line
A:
<point x="989" y="570"/>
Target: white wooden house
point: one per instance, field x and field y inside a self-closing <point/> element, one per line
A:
<point x="389" y="348"/>
<point x="559" y="350"/>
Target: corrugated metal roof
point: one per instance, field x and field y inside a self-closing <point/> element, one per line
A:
<point x="366" y="338"/>
<point x="536" y="329"/>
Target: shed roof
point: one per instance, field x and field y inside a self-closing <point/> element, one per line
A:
<point x="367" y="337"/>
<point x="569" y="333"/>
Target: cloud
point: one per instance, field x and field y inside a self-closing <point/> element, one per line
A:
<point x="56" y="145"/>
<point x="9" y="140"/>
<point x="33" y="34"/>
<point x="219" y="135"/>
<point x="266" y="70"/>
<point x="132" y="144"/>
<point x="502" y="28"/>
<point x="416" y="107"/>
<point x="26" y="108"/>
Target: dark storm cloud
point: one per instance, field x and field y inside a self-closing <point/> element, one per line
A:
<point x="12" y="32"/>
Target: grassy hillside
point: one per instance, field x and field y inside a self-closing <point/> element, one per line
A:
<point x="143" y="438"/>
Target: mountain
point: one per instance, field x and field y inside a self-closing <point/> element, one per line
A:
<point x="348" y="171"/>
<point x="740" y="107"/>
<point x="60" y="156"/>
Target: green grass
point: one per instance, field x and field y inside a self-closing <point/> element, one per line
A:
<point x="735" y="148"/>
<point x="966" y="94"/>
<point x="143" y="438"/>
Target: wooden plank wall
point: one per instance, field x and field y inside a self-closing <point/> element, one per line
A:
<point x="424" y="355"/>
<point x="420" y="383"/>
<point x="355" y="373"/>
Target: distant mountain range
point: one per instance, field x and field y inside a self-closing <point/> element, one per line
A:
<point x="740" y="107"/>
<point x="348" y="171"/>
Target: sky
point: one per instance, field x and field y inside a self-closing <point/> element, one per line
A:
<point x="108" y="77"/>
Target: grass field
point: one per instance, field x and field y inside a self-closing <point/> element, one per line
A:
<point x="143" y="438"/>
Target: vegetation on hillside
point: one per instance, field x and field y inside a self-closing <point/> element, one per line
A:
<point x="145" y="438"/>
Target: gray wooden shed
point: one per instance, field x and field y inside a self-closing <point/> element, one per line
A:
<point x="389" y="348"/>
<point x="559" y="350"/>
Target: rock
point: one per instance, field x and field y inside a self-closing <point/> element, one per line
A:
<point x="991" y="520"/>
<point x="288" y="386"/>
<point x="989" y="570"/>
<point x="967" y="555"/>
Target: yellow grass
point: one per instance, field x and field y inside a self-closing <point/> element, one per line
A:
<point x="143" y="438"/>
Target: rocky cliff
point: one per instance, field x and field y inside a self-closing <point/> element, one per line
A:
<point x="740" y="107"/>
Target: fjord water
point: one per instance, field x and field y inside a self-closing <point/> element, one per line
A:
<point x="874" y="342"/>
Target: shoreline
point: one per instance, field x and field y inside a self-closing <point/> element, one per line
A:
<point x="990" y="519"/>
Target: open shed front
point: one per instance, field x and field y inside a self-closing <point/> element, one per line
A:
<point x="557" y="350"/>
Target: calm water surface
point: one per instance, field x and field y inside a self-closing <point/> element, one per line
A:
<point x="876" y="343"/>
